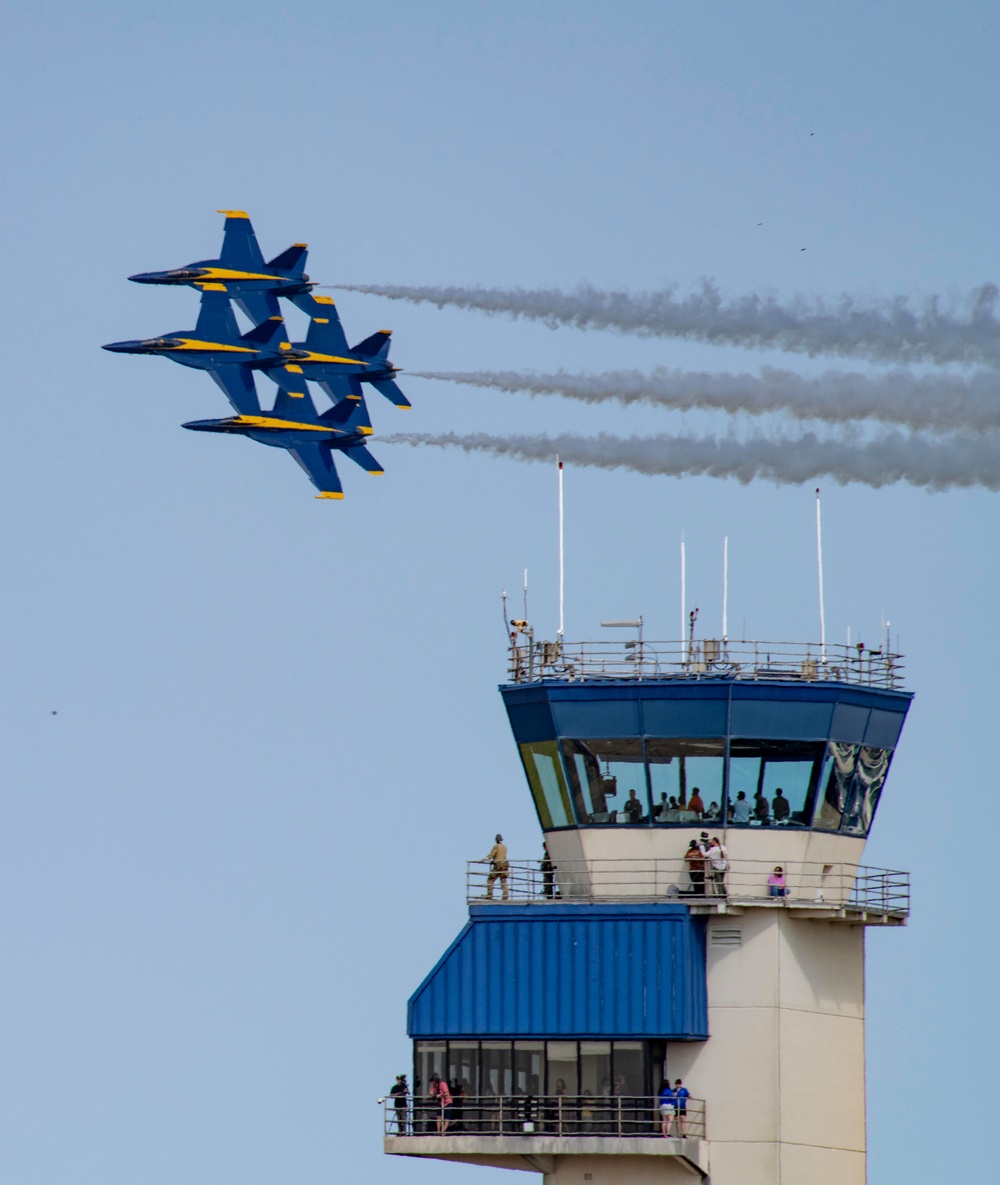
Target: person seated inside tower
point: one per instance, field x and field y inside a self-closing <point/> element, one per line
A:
<point x="779" y="806"/>
<point x="713" y="811"/>
<point x="695" y="803"/>
<point x="761" y="810"/>
<point x="741" y="809"/>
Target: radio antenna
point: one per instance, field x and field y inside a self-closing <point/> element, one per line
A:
<point x="525" y="594"/>
<point x="562" y="574"/>
<point x="725" y="587"/>
<point x="683" y="600"/>
<point x="819" y="563"/>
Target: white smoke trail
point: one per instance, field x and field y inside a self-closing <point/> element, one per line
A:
<point x="961" y="461"/>
<point x="890" y="330"/>
<point x="939" y="402"/>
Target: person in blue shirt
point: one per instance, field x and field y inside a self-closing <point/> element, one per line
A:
<point x="741" y="809"/>
<point x="681" y="1096"/>
<point x="668" y="1108"/>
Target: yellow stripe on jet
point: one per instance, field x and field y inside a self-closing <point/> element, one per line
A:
<point x="270" y="422"/>
<point x="191" y="343"/>
<point x="228" y="273"/>
<point x="234" y="213"/>
<point x="311" y="357"/>
<point x="329" y="495"/>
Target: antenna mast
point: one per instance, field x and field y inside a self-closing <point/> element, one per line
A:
<point x="725" y="588"/>
<point x="562" y="582"/>
<point x="819" y="562"/>
<point x="683" y="601"/>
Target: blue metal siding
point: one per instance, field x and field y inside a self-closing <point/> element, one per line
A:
<point x="883" y="729"/>
<point x="684" y="718"/>
<point x="568" y="971"/>
<point x="779" y="720"/>
<point x="849" y="723"/>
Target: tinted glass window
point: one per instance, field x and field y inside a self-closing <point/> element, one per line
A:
<point x="773" y="783"/>
<point x="429" y="1059"/>
<point x="562" y="1068"/>
<point x="529" y="1067"/>
<point x="463" y="1065"/>
<point x="628" y="1068"/>
<point x="548" y="786"/>
<point x="837" y="777"/>
<point x="686" y="779"/>
<point x="595" y="1068"/>
<point x="609" y="780"/>
<point x="869" y="776"/>
<point x="496" y="1068"/>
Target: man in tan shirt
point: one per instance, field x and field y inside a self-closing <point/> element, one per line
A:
<point x="497" y="860"/>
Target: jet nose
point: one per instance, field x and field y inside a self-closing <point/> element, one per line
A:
<point x="133" y="347"/>
<point x="149" y="278"/>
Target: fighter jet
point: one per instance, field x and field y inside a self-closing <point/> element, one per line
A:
<point x="327" y="359"/>
<point x="311" y="438"/>
<point x="216" y="345"/>
<point x="252" y="283"/>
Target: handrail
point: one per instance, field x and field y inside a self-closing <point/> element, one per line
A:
<point x="554" y="1115"/>
<point x="530" y="661"/>
<point x="741" y="882"/>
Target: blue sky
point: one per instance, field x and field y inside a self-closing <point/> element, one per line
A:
<point x="239" y="845"/>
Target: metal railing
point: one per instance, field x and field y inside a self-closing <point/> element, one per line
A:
<point x="530" y="661"/>
<point x="534" y="1115"/>
<point x="741" y="882"/>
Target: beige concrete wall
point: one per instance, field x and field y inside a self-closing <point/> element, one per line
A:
<point x="624" y="1170"/>
<point x="783" y="1070"/>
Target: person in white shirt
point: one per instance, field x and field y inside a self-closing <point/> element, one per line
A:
<point x="741" y="809"/>
<point x="718" y="863"/>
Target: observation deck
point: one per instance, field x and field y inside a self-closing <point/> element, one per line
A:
<point x="810" y="662"/>
<point x="857" y="894"/>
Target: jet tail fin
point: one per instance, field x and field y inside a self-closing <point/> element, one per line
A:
<point x="239" y="243"/>
<point x="349" y="415"/>
<point x="361" y="456"/>
<point x="389" y="389"/>
<point x="216" y="320"/>
<point x="292" y="260"/>
<point x="268" y="334"/>
<point x="376" y="346"/>
<point x="295" y="405"/>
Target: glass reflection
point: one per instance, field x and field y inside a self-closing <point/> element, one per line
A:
<point x="862" y="801"/>
<point x="608" y="778"/>
<point x="686" y="779"/>
<point x="838" y="774"/>
<point x="548" y="786"/>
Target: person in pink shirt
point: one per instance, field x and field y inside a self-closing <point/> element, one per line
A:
<point x="776" y="883"/>
<point x="440" y="1091"/>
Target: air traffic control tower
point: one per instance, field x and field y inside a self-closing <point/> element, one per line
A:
<point x="587" y="980"/>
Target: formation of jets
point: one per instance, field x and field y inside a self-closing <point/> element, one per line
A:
<point x="232" y="358"/>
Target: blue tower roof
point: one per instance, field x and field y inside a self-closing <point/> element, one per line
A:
<point x="573" y="971"/>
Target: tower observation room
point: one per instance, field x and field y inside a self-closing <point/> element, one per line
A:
<point x="698" y="914"/>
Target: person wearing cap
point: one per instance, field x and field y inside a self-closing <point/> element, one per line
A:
<point x="399" y="1094"/>
<point x="694" y="858"/>
<point x="496" y="857"/>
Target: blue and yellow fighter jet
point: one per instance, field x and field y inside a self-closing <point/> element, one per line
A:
<point x="252" y="283"/>
<point x="217" y="346"/>
<point x="327" y="359"/>
<point x="311" y="438"/>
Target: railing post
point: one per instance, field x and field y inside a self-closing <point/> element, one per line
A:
<point x="559" y="1118"/>
<point x="619" y="1115"/>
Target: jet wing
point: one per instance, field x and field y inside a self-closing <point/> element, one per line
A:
<point x="238" y="387"/>
<point x="317" y="462"/>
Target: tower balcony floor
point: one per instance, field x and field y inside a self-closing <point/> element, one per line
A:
<point x="539" y="1153"/>
<point x="844" y="892"/>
